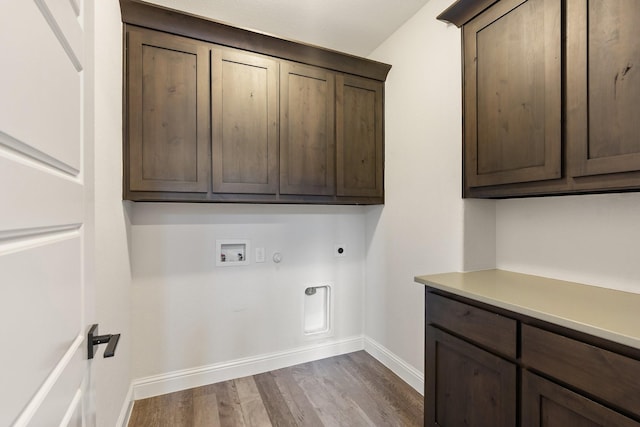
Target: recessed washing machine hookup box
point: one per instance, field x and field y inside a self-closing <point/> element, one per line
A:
<point x="232" y="252"/>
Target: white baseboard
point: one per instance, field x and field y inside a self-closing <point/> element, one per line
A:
<point x="197" y="377"/>
<point x="408" y="373"/>
<point x="189" y="378"/>
<point x="127" y="406"/>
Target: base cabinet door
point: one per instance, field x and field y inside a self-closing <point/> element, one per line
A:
<point x="465" y="385"/>
<point x="546" y="404"/>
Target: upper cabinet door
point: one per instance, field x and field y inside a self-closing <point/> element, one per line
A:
<point x="307" y="133"/>
<point x="603" y="86"/>
<point x="168" y="113"/>
<point x="513" y="93"/>
<point x="244" y="107"/>
<point x="359" y="137"/>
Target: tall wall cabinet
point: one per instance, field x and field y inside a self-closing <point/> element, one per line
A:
<point x="551" y="91"/>
<point x="215" y="113"/>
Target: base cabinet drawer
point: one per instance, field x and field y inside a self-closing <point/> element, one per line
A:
<point x="488" y="366"/>
<point x="546" y="404"/>
<point x="608" y="376"/>
<point x="490" y="330"/>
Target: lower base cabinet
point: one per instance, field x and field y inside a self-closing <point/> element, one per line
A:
<point x="547" y="404"/>
<point x="495" y="368"/>
<point x="463" y="373"/>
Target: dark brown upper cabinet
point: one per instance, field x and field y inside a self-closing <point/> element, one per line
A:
<point x="359" y="136"/>
<point x="512" y="94"/>
<point x="604" y="88"/>
<point x="307" y="137"/>
<point x="168" y="114"/>
<point x="215" y="113"/>
<point x="244" y="105"/>
<point x="550" y="94"/>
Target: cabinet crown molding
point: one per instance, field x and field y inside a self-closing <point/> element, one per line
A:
<point x="462" y="11"/>
<point x="176" y="22"/>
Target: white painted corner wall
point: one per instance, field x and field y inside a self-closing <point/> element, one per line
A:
<point x="191" y="321"/>
<point x="185" y="321"/>
<point x="212" y="320"/>
<point x="189" y="313"/>
<point x="419" y="230"/>
<point x="589" y="239"/>
<point x="425" y="227"/>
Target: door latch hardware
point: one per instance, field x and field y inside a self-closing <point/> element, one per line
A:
<point x="93" y="340"/>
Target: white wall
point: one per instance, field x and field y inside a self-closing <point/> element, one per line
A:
<point x="479" y="234"/>
<point x="592" y="239"/>
<point x="113" y="277"/>
<point x="188" y="313"/>
<point x="420" y="228"/>
<point x="425" y="227"/>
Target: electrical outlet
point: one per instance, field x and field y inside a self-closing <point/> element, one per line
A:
<point x="339" y="250"/>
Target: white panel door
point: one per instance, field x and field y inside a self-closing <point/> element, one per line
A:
<point x="46" y="231"/>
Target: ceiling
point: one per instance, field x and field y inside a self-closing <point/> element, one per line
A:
<point x="352" y="26"/>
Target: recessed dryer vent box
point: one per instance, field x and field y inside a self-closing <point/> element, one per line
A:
<point x="317" y="310"/>
<point x="232" y="252"/>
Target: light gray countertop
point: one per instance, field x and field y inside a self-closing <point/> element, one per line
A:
<point x="605" y="313"/>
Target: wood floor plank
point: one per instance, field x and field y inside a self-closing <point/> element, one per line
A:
<point x="348" y="390"/>
<point x="274" y="402"/>
<point x="377" y="410"/>
<point x="253" y="410"/>
<point x="391" y="388"/>
<point x="145" y="413"/>
<point x="205" y="409"/>
<point x="334" y="404"/>
<point x="229" y="409"/>
<point x="177" y="409"/>
<point x="304" y="413"/>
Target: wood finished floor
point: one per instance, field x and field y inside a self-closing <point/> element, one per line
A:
<point x="348" y="390"/>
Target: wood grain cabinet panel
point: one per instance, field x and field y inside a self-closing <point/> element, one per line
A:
<point x="604" y="91"/>
<point x="307" y="133"/>
<point x="244" y="105"/>
<point x="215" y="113"/>
<point x="551" y="94"/>
<point x="490" y="330"/>
<point x="481" y="371"/>
<point x="609" y="376"/>
<point x="546" y="404"/>
<point x="167" y="113"/>
<point x="467" y="385"/>
<point x="513" y="99"/>
<point x="359" y="137"/>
